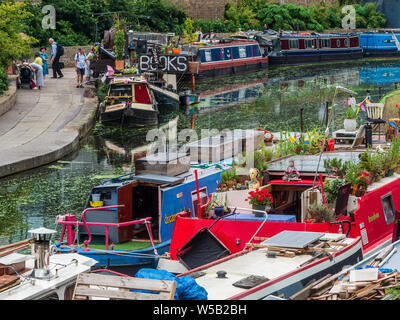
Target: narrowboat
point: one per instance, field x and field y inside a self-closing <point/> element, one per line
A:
<point x="370" y="217"/>
<point x="228" y="57"/>
<point x="129" y="101"/>
<point x="127" y="222"/>
<point x="262" y="272"/>
<point x="382" y="44"/>
<point x="298" y="48"/>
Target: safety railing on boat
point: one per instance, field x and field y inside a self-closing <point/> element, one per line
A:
<point x="107" y="225"/>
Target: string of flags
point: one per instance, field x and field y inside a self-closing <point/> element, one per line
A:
<point x="359" y="106"/>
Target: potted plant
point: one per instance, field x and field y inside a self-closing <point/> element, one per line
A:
<point x="261" y="200"/>
<point x="320" y="213"/>
<point x="119" y="49"/>
<point x="350" y="122"/>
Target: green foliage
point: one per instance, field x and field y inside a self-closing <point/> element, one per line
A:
<point x="350" y="113"/>
<point x="229" y="175"/>
<point x="331" y="188"/>
<point x="119" y="44"/>
<point x="13" y="45"/>
<point x="3" y="80"/>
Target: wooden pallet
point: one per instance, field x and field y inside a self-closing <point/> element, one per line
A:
<point x="91" y="285"/>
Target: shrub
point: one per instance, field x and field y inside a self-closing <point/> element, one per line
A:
<point x="3" y="81"/>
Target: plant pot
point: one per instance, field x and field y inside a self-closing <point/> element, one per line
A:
<point x="261" y="207"/>
<point x="350" y="125"/>
<point x="230" y="184"/>
<point x="119" y="64"/>
<point x="219" y="211"/>
<point x="176" y="50"/>
<point x="193" y="67"/>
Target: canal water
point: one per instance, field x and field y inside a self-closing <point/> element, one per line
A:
<point x="270" y="99"/>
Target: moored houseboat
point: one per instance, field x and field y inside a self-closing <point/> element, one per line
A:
<point x="370" y="217"/>
<point x="129" y="101"/>
<point x="228" y="57"/>
<point x="298" y="48"/>
<point x="384" y="44"/>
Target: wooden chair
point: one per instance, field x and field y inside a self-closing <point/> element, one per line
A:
<point x="374" y="116"/>
<point x="92" y="286"/>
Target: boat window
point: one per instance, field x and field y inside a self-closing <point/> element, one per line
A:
<point x="294" y="44"/>
<point x="227" y="53"/>
<point x="242" y="52"/>
<point x="338" y="43"/>
<point x="326" y="43"/>
<point x="121" y="91"/>
<point x="309" y="43"/>
<point x="207" y="55"/>
<point x="346" y="42"/>
<point x="388" y="208"/>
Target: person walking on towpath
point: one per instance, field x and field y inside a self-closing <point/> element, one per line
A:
<point x="80" y="65"/>
<point x="45" y="57"/>
<point x="55" y="59"/>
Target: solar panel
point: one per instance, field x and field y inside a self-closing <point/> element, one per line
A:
<point x="293" y="239"/>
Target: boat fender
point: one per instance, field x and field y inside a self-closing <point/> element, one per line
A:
<point x="271" y="254"/>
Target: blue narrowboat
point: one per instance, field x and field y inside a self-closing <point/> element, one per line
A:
<point x="128" y="221"/>
<point x="295" y="48"/>
<point x="380" y="43"/>
<point x="229" y="57"/>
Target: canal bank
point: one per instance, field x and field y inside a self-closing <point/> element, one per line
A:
<point x="44" y="125"/>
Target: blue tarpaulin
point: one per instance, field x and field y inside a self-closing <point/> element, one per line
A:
<point x="186" y="287"/>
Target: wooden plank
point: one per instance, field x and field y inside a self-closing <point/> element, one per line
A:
<point x="120" y="294"/>
<point x="305" y="292"/>
<point x="7" y="252"/>
<point x="16" y="244"/>
<point x="126" y="282"/>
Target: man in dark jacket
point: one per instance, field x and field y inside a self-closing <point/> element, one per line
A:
<point x="55" y="59"/>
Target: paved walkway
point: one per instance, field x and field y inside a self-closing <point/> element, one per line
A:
<point x="44" y="125"/>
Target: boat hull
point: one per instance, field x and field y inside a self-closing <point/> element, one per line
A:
<point x="131" y="117"/>
<point x="127" y="262"/>
<point x="230" y="70"/>
<point x="314" y="57"/>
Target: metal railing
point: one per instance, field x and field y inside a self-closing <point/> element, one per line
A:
<point x="107" y="225"/>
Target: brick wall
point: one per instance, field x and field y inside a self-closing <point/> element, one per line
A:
<point x="213" y="9"/>
<point x="69" y="54"/>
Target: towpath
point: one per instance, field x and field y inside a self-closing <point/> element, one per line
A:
<point x="44" y="125"/>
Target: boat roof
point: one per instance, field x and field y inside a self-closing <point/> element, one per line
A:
<point x="128" y="80"/>
<point x="309" y="163"/>
<point x="67" y="271"/>
<point x="251" y="263"/>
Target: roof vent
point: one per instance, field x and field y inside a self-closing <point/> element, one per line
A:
<point x="41" y="252"/>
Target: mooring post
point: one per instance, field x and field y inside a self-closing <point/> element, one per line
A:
<point x="395" y="85"/>
<point x="301" y="120"/>
<point x="326" y="112"/>
<point x="380" y="92"/>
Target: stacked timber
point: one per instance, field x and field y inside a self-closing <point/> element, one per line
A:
<point x="369" y="283"/>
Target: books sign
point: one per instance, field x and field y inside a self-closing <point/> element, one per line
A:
<point x="167" y="63"/>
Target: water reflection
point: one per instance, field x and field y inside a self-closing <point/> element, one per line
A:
<point x="271" y="99"/>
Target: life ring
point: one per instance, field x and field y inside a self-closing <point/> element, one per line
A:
<point x="268" y="135"/>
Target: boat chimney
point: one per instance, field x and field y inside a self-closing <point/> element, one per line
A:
<point x="41" y="252"/>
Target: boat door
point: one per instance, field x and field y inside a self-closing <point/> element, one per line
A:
<point x="308" y="197"/>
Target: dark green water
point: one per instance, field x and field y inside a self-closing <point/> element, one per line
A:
<point x="272" y="99"/>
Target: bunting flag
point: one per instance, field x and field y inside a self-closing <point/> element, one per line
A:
<point x="362" y="106"/>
